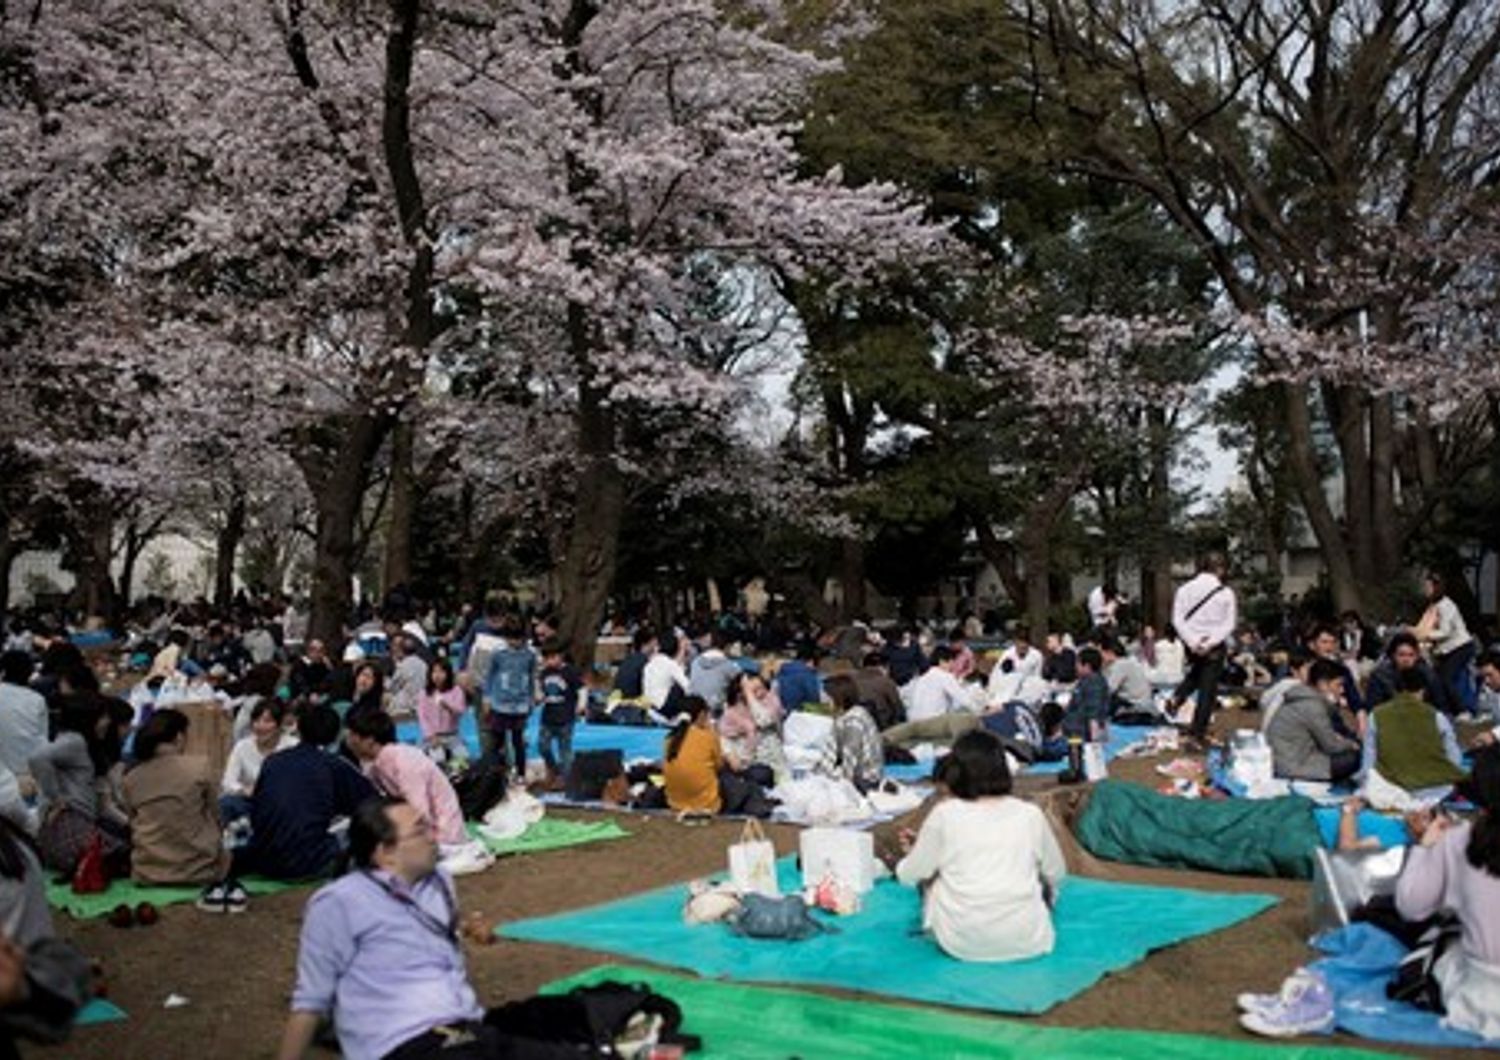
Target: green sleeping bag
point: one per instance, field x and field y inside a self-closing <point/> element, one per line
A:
<point x="1243" y="837"/>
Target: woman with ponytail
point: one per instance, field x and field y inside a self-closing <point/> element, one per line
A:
<point x="1456" y="867"/>
<point x="694" y="760"/>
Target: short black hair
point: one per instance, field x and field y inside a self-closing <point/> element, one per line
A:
<point x="374" y="725"/>
<point x="1325" y="670"/>
<point x="977" y="766"/>
<point x="317" y="724"/>
<point x="15" y="668"/>
<point x="1491" y="658"/>
<point x="370" y="827"/>
<point x="164" y="726"/>
<point x="1413" y="680"/>
<point x="807" y="650"/>
<point x="1298" y="657"/>
<point x="272" y="707"/>
<point x="1320" y="629"/>
<point x="1091" y="658"/>
<point x="1113" y="646"/>
<point x="643" y="636"/>
<point x="942" y="653"/>
<point x="1405" y="639"/>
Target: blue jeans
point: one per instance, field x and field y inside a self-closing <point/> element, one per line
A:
<point x="233" y="807"/>
<point x="560" y="738"/>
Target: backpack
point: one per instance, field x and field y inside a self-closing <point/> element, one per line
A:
<point x="593" y="1017"/>
<point x="590" y="772"/>
<point x="480" y="788"/>
<point x="510" y="677"/>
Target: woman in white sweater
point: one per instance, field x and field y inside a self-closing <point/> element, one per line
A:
<point x="989" y="864"/>
<point x="248" y="755"/>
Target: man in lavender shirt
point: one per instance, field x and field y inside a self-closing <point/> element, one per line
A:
<point x="380" y="950"/>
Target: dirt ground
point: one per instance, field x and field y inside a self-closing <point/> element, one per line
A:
<point x="237" y="971"/>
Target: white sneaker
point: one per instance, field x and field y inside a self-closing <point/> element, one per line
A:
<point x="1304" y="1006"/>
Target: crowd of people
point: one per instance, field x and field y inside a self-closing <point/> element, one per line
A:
<point x="97" y="780"/>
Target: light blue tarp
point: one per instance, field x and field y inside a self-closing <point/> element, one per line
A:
<point x="1102" y="927"/>
<point x="1361" y="960"/>
<point x="1389" y="831"/>
<point x="634" y="741"/>
<point x="1120" y="736"/>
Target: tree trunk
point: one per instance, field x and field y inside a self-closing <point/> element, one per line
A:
<point x="135" y="544"/>
<point x="92" y="544"/>
<point x="1000" y="555"/>
<point x="469" y="589"/>
<point x="396" y="569"/>
<point x="852" y="577"/>
<point x="1036" y="547"/>
<point x="7" y="560"/>
<point x="337" y="483"/>
<point x="588" y="566"/>
<point x="1348" y="410"/>
<point x="1156" y="563"/>
<point x="227" y="547"/>
<point x="1303" y="456"/>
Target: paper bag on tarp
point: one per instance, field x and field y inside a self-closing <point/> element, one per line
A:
<point x="1094" y="766"/>
<point x="752" y="862"/>
<point x="846" y="855"/>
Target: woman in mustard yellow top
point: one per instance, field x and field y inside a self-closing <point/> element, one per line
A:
<point x="694" y="760"/>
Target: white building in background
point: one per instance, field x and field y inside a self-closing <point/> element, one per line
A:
<point x="171" y="565"/>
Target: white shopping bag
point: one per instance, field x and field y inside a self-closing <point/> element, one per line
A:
<point x="752" y="862"/>
<point x="842" y="853"/>
<point x="1094" y="767"/>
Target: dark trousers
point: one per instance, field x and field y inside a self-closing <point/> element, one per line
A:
<point x="513" y="728"/>
<point x="475" y="1041"/>
<point x="1342" y="765"/>
<point x="744" y="792"/>
<point x="1202" y="680"/>
<point x="1450" y="669"/>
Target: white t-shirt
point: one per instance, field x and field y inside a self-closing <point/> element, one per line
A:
<point x="1029" y="665"/>
<point x="1101" y="610"/>
<point x="243" y="768"/>
<point x="935" y="693"/>
<point x="661" y="673"/>
<point x="986" y="860"/>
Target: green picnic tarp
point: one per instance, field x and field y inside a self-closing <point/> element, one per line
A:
<point x="1243" y="837"/>
<point x="127" y="892"/>
<point x="739" y="1022"/>
<point x="552" y="833"/>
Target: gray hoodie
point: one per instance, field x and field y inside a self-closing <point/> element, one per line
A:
<point x="1302" y="737"/>
<point x="710" y="676"/>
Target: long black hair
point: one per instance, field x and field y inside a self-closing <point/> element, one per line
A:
<point x="1484" y="838"/>
<point x="693" y="708"/>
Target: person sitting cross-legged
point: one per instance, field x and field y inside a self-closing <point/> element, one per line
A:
<point x="299" y="795"/>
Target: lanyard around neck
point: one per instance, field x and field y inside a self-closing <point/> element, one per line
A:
<point x="448" y="930"/>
